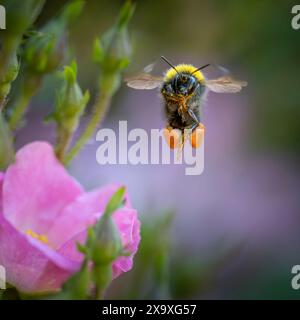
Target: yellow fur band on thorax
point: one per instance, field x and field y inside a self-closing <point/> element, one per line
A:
<point x="185" y="68"/>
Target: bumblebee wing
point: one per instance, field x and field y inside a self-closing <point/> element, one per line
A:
<point x="144" y="81"/>
<point x="225" y="84"/>
<point x="149" y="68"/>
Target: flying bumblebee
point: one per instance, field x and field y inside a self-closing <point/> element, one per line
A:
<point x="183" y="88"/>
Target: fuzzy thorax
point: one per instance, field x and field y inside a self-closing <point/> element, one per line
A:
<point x="184" y="68"/>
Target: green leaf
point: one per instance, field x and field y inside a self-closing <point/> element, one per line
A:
<point x="72" y="10"/>
<point x="125" y="14"/>
<point x="69" y="74"/>
<point x="98" y="51"/>
<point x="77" y="287"/>
<point x="81" y="248"/>
<point x="115" y="202"/>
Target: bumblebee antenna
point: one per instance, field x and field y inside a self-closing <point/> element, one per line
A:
<point x="203" y="67"/>
<point x="169" y="63"/>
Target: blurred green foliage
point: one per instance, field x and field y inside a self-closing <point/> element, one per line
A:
<point x="163" y="269"/>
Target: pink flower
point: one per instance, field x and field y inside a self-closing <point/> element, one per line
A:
<point x="43" y="213"/>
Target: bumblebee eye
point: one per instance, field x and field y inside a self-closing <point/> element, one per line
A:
<point x="191" y="84"/>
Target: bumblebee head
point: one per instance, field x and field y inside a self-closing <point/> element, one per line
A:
<point x="184" y="84"/>
<point x="182" y="79"/>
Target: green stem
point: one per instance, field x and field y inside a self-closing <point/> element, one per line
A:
<point x="99" y="294"/>
<point x="100" y="108"/>
<point x="30" y="87"/>
<point x="2" y="102"/>
<point x="4" y="90"/>
<point x="18" y="111"/>
<point x="5" y="55"/>
<point x="6" y="144"/>
<point x="7" y="78"/>
<point x="103" y="278"/>
<point x="63" y="141"/>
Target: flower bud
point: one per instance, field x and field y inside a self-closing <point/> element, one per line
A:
<point x="108" y="245"/>
<point x="70" y="105"/>
<point x="7" y="78"/>
<point x="112" y="52"/>
<point x="104" y="243"/>
<point x="20" y="15"/>
<point x="71" y="102"/>
<point x="45" y="50"/>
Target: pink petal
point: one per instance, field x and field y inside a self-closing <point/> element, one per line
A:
<point x="36" y="188"/>
<point x="129" y="227"/>
<point x="81" y="213"/>
<point x="30" y="265"/>
<point x="1" y="186"/>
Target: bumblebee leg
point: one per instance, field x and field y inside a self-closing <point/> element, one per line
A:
<point x="198" y="130"/>
<point x="173" y="137"/>
<point x="197" y="136"/>
<point x="193" y="116"/>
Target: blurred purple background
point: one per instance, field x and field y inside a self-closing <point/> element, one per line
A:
<point x="248" y="195"/>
